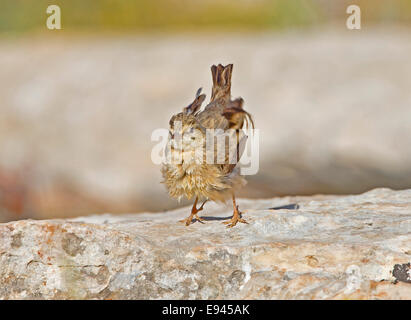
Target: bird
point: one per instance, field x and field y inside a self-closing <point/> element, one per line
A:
<point x="200" y="165"/>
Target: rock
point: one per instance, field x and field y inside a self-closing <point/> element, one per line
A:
<point x="327" y="247"/>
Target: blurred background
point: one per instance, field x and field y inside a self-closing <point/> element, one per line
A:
<point x="78" y="105"/>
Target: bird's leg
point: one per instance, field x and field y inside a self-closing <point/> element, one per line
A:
<point x="236" y="216"/>
<point x="199" y="209"/>
<point x="194" y="211"/>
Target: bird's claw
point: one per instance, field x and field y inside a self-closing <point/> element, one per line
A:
<point x="189" y="220"/>
<point x="200" y="219"/>
<point x="234" y="220"/>
<point x="231" y="223"/>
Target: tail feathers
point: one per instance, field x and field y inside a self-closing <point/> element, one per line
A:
<point x="221" y="81"/>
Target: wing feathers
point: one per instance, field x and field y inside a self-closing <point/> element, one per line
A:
<point x="195" y="106"/>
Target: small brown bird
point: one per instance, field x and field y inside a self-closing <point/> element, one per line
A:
<point x="190" y="171"/>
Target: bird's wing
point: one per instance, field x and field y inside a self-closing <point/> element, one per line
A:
<point x="195" y="106"/>
<point x="234" y="152"/>
<point x="224" y="113"/>
<point x="227" y="121"/>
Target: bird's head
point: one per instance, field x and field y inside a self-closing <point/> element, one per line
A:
<point x="186" y="130"/>
<point x="184" y="126"/>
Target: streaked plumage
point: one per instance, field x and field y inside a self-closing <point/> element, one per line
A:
<point x="193" y="176"/>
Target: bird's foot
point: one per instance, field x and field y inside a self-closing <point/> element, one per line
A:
<point x="199" y="218"/>
<point x="189" y="220"/>
<point x="194" y="214"/>
<point x="235" y="219"/>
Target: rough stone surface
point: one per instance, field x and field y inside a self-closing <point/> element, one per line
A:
<point x="329" y="247"/>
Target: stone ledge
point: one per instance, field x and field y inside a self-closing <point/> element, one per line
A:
<point x="329" y="247"/>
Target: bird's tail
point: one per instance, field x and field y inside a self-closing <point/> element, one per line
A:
<point x="221" y="81"/>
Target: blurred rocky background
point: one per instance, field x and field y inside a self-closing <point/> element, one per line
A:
<point x="78" y="105"/>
